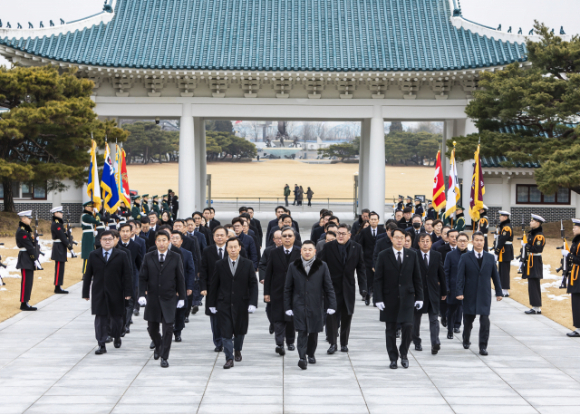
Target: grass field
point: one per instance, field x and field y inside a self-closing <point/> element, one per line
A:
<point x="267" y="179"/>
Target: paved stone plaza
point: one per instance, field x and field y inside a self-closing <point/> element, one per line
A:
<point x="48" y="365"/>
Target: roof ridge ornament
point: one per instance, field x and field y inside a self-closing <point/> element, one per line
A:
<point x="562" y="32"/>
<point x="107" y="7"/>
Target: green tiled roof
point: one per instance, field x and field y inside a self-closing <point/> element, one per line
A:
<point x="494" y="162"/>
<point x="268" y="35"/>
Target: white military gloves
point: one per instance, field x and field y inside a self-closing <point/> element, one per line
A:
<point x="289" y="312"/>
<point x="330" y="311"/>
<point x="180" y="304"/>
<point x="418" y="304"/>
<point x="251" y="309"/>
<point x="142" y="301"/>
<point x="381" y="306"/>
<point x="565" y="253"/>
<point x="213" y="310"/>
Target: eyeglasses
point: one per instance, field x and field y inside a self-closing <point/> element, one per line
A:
<point x="107" y="240"/>
<point x="341" y="234"/>
<point x="287" y="236"/>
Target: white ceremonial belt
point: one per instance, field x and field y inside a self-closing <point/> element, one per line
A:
<point x="56" y="241"/>
<point x="508" y="243"/>
<point x="23" y="249"/>
<point x="536" y="254"/>
<point x="88" y="231"/>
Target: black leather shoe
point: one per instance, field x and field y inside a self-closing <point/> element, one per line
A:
<point x="117" y="343"/>
<point x="404" y="362"/>
<point x="155" y="355"/>
<point x="26" y="307"/>
<point x="237" y="356"/>
<point x="291" y="347"/>
<point x="573" y="334"/>
<point x="483" y="352"/>
<point x="127" y="330"/>
<point x="109" y="340"/>
<point x="533" y="312"/>
<point x="311" y="360"/>
<point x="194" y="310"/>
<point x="368" y="300"/>
<point x="435" y="349"/>
<point x="398" y="334"/>
<point x="456" y="330"/>
<point x="101" y="350"/>
<point x="280" y="350"/>
<point x="302" y="364"/>
<point x="507" y="295"/>
<point x="444" y="322"/>
<point x="177" y="338"/>
<point x="393" y="365"/>
<point x="418" y="347"/>
<point x="344" y="348"/>
<point x="218" y="348"/>
<point x="164" y="363"/>
<point x="186" y="319"/>
<point x="331" y="350"/>
<point x="136" y="312"/>
<point x="271" y="329"/>
<point x="229" y="364"/>
<point x="60" y="291"/>
<point x="450" y="335"/>
<point x="152" y="345"/>
<point x="466" y="345"/>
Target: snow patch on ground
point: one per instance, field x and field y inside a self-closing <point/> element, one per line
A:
<point x="548" y="275"/>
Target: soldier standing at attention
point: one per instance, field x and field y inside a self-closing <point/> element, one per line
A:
<point x="431" y="213"/>
<point x="155" y="205"/>
<point x="27" y="258"/>
<point x="137" y="211"/>
<point x="60" y="244"/>
<point x="483" y="225"/>
<point x="573" y="258"/>
<point x="88" y="224"/>
<point x="145" y="205"/>
<point x="418" y="207"/>
<point x="460" y="219"/>
<point x="533" y="267"/>
<point x="165" y="204"/>
<point x="504" y="250"/>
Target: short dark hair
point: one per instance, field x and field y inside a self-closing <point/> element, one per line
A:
<point x="160" y="233"/>
<point x="246" y="216"/>
<point x="219" y="228"/>
<point x="391" y="226"/>
<point x="145" y="220"/>
<point x="179" y="221"/>
<point x="152" y="213"/>
<point x="334" y="218"/>
<point x="284" y="217"/>
<point x="282" y="207"/>
<point x="404" y="233"/>
<point x="447" y="226"/>
<point x="177" y="232"/>
<point x="436" y="222"/>
<point x="212" y="209"/>
<point x="249" y="208"/>
<point x="344" y="226"/>
<point x="242" y="209"/>
<point x="237" y="220"/>
<point x="417" y="216"/>
<point x="452" y="231"/>
<point x="165" y="227"/>
<point x="309" y="242"/>
<point x="115" y="233"/>
<point x="365" y="210"/>
<point x="462" y="234"/>
<point x="407" y="210"/>
<point x="322" y="211"/>
<point x="233" y="239"/>
<point x="123" y="225"/>
<point x="331" y="233"/>
<point x="477" y="233"/>
<point x="428" y="219"/>
<point x="197" y="213"/>
<point x="107" y="233"/>
<point x="286" y="228"/>
<point x="137" y="223"/>
<point x="189" y="219"/>
<point x="424" y="235"/>
<point x="374" y="213"/>
<point x="390" y="221"/>
<point x="327" y="214"/>
<point x="329" y="225"/>
<point x="207" y="208"/>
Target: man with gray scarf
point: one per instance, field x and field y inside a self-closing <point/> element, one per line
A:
<point x="307" y="283"/>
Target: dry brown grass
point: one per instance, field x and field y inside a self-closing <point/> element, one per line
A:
<point x="267" y="179"/>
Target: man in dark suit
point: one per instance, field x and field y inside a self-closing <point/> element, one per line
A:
<point x="405" y="221"/>
<point x="383" y="243"/>
<point x="190" y="231"/>
<point x="279" y="211"/>
<point x="210" y="256"/>
<point x="210" y="222"/>
<point x="146" y="233"/>
<point x="398" y="290"/>
<point x="447" y="243"/>
<point x="197" y="215"/>
<point x="233" y="294"/>
<point x="283" y="221"/>
<point x="189" y="274"/>
<point x="343" y="256"/>
<point x="476" y="271"/>
<point x="367" y="240"/>
<point x="266" y="255"/>
<point x="191" y="245"/>
<point x="136" y="260"/>
<point x="274" y="281"/>
<point x="256" y="223"/>
<point x="108" y="282"/>
<point x="434" y="291"/>
<point x="161" y="278"/>
<point x="364" y="217"/>
<point x="317" y="231"/>
<point x="451" y="265"/>
<point x="247" y="241"/>
<point x="443" y="240"/>
<point x="415" y="230"/>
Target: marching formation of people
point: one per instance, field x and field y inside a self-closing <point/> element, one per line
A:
<point x="414" y="264"/>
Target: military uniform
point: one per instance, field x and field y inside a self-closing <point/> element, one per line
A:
<point x="419" y="208"/>
<point x="504" y="251"/>
<point x="573" y="264"/>
<point x="27" y="256"/>
<point x="136" y="211"/>
<point x="60" y="244"/>
<point x="155" y="206"/>
<point x="165" y="206"/>
<point x="88" y="224"/>
<point x="431" y="213"/>
<point x="400" y="204"/>
<point x="460" y="222"/>
<point x="145" y="205"/>
<point x="483" y="226"/>
<point x="533" y="268"/>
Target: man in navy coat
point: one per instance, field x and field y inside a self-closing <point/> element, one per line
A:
<point x="474" y="274"/>
<point x="451" y="266"/>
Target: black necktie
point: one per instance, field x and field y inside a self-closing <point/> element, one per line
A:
<point x="162" y="258"/>
<point x="399" y="259"/>
<point x="374" y="234"/>
<point x="220" y="253"/>
<point x="106" y="256"/>
<point x="426" y="260"/>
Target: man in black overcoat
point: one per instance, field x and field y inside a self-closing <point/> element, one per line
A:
<point x="434" y="291"/>
<point x="60" y="244"/>
<point x="161" y="279"/>
<point x="343" y="257"/>
<point x="398" y="290"/>
<point x="107" y="281"/>
<point x="274" y="281"/>
<point x="308" y="287"/>
<point x="476" y="270"/>
<point x="368" y="239"/>
<point x="136" y="260"/>
<point x="232" y="295"/>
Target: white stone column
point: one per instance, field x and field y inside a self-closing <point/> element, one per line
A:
<point x="363" y="166"/>
<point x="187" y="163"/>
<point x="376" y="194"/>
<point x="465" y="127"/>
<point x="200" y="176"/>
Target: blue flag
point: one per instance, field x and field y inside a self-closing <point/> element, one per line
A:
<point x="111" y="197"/>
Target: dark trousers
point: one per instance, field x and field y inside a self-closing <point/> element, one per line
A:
<point x="106" y="325"/>
<point x="58" y="273"/>
<point x="307" y="343"/>
<point x="215" y="330"/>
<point x="535" y="292"/>
<point x="162" y="343"/>
<point x="309" y="202"/>
<point x="284" y="329"/>
<point x="576" y="309"/>
<point x="443" y="309"/>
<point x="483" y="329"/>
<point x="504" y="275"/>
<point x="370" y="279"/>
<point x="433" y="327"/>
<point x="286" y="200"/>
<point x="453" y="313"/>
<point x="26" y="284"/>
<point x="391" y="339"/>
<point x="129" y="304"/>
<point x="180" y="314"/>
<point x="231" y="345"/>
<point x="341" y="319"/>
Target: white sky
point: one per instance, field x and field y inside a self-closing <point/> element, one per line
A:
<point x="515" y="13"/>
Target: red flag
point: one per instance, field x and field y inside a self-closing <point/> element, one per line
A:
<point x="126" y="195"/>
<point x="438" y="185"/>
<point x="477" y="188"/>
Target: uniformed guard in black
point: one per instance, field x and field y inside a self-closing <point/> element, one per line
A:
<point x="573" y="264"/>
<point x="533" y="268"/>
<point x="26" y="258"/>
<point x="483" y="226"/>
<point x="504" y="250"/>
<point x="60" y="244"/>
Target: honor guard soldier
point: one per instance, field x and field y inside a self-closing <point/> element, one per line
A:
<point x="155" y="205"/>
<point x="504" y="250"/>
<point x="573" y="264"/>
<point x="27" y="258"/>
<point x="431" y="213"/>
<point x="88" y="223"/>
<point x="459" y="219"/>
<point x="400" y="205"/>
<point x="409" y="203"/>
<point x="418" y="207"/>
<point x="137" y="211"/>
<point x="483" y="225"/>
<point x="533" y="266"/>
<point x="101" y="226"/>
<point x="165" y="205"/>
<point x="145" y="205"/>
<point x="60" y="244"/>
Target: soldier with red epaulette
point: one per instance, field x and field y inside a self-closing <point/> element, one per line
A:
<point x="27" y="258"/>
<point x="60" y="244"/>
